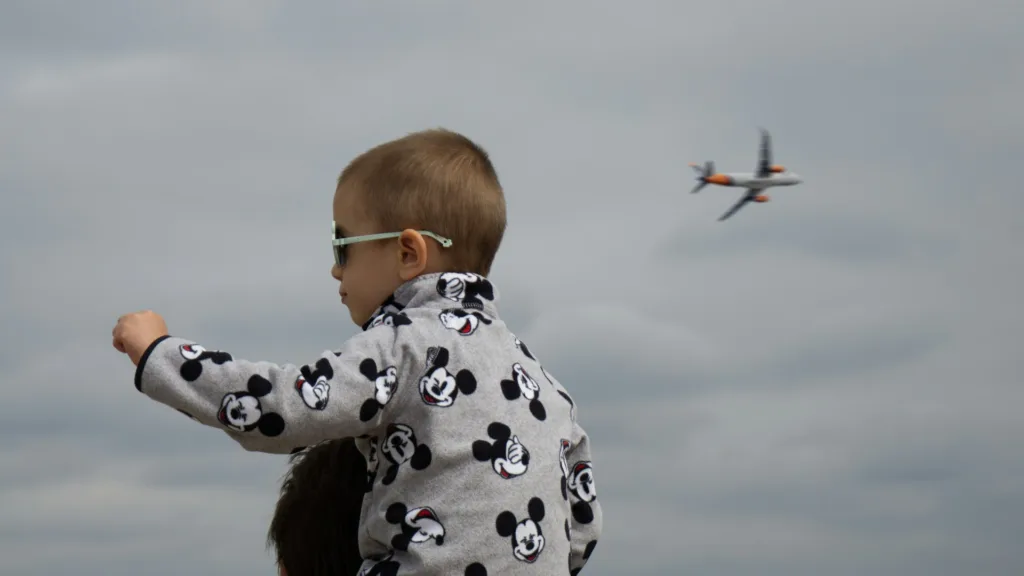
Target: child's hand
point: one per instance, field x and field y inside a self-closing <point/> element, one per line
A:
<point x="136" y="331"/>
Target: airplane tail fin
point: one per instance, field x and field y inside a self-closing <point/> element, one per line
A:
<point x="703" y="173"/>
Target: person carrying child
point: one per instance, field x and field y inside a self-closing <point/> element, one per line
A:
<point x="315" y="527"/>
<point x="476" y="461"/>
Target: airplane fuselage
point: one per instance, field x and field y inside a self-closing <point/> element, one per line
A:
<point x="765" y="175"/>
<point x="750" y="180"/>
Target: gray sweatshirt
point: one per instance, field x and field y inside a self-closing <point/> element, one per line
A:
<point x="476" y="461"/>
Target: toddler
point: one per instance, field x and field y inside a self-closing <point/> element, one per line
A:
<point x="476" y="461"/>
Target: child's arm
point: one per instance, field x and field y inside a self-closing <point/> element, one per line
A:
<point x="266" y="407"/>
<point x="586" y="516"/>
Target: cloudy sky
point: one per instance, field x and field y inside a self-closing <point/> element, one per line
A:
<point x="827" y="384"/>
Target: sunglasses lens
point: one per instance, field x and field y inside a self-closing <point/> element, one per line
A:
<point x="339" y="251"/>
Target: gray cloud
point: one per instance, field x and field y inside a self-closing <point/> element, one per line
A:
<point x="825" y="384"/>
<point x="864" y="354"/>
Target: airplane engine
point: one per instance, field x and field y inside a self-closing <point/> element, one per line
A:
<point x="761" y="198"/>
<point x="777" y="168"/>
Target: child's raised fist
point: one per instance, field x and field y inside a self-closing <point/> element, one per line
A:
<point x="136" y="331"/>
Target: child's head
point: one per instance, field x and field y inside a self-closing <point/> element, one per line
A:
<point x="424" y="188"/>
<point x="315" y="529"/>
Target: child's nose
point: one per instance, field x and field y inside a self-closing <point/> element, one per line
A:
<point x="336" y="272"/>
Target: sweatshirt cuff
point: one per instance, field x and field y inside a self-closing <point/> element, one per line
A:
<point x="142" y="361"/>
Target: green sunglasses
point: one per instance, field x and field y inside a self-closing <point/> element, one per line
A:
<point x="339" y="242"/>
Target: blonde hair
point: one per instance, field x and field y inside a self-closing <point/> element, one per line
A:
<point x="437" y="180"/>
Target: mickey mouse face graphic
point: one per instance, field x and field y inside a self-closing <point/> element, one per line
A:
<point x="464" y="322"/>
<point x="418" y="525"/>
<point x="313" y="395"/>
<point x="194" y="355"/>
<point x="384" y="385"/>
<point x="562" y="450"/>
<point x="392" y="319"/>
<point x="465" y="288"/>
<point x="242" y="411"/>
<point x="390" y="306"/>
<point x="385" y="382"/>
<point x="191" y="351"/>
<point x="399" y="447"/>
<point x="438" y="386"/>
<point x="313" y="386"/>
<point x="527" y="385"/>
<point x="581" y="481"/>
<point x="507" y="455"/>
<point x="581" y="484"/>
<point x="526" y="535"/>
<point x="522" y="385"/>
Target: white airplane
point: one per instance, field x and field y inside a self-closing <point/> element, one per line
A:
<point x="766" y="176"/>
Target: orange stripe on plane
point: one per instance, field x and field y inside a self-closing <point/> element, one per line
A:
<point x="719" y="179"/>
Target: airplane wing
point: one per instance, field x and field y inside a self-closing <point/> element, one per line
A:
<point x="764" y="161"/>
<point x="736" y="207"/>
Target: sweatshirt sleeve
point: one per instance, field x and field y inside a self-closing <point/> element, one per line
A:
<point x="586" y="517"/>
<point x="273" y="408"/>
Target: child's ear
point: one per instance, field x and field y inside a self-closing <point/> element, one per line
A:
<point x="412" y="254"/>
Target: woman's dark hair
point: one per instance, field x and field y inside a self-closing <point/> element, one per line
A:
<point x="316" y="522"/>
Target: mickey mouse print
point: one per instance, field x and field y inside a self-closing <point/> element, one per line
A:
<point x="476" y="460"/>
<point x="468" y="289"/>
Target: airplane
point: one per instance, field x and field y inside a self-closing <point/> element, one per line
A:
<point x="767" y="175"/>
